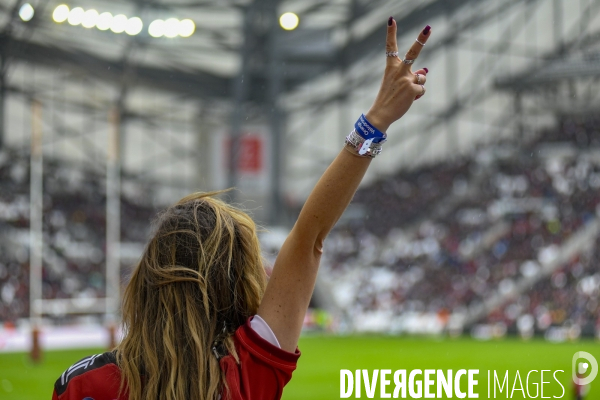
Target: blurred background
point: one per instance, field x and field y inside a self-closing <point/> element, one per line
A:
<point x="478" y="222"/>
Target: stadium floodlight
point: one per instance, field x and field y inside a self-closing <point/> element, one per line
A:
<point x="75" y="16"/>
<point x="186" y="28"/>
<point x="171" y="27"/>
<point x="157" y="28"/>
<point x="104" y="21"/>
<point x="289" y="21"/>
<point x="119" y="23"/>
<point x="61" y="13"/>
<point x="134" y="26"/>
<point x="26" y="12"/>
<point x="90" y="18"/>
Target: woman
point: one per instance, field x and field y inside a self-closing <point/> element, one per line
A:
<point x="200" y="320"/>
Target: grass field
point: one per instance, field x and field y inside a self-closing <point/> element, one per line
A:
<point x="318" y="373"/>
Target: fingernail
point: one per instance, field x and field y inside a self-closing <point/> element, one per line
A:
<point x="426" y="30"/>
<point x="426" y="70"/>
<point x="390" y="21"/>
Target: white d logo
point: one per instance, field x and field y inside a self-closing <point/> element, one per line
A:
<point x="583" y="367"/>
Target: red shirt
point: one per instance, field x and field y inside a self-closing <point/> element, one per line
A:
<point x="262" y="373"/>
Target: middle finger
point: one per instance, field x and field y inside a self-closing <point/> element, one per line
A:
<point x="417" y="46"/>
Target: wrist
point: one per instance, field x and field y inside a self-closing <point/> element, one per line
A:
<point x="377" y="120"/>
<point x="358" y="145"/>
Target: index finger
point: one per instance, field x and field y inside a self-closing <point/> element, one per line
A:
<point x="391" y="44"/>
<point x="417" y="46"/>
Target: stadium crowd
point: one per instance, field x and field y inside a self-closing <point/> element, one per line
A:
<point x="568" y="298"/>
<point x="426" y="245"/>
<point x="439" y="241"/>
<point x="74" y="232"/>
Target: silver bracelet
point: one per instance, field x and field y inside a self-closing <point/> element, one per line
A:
<point x="362" y="147"/>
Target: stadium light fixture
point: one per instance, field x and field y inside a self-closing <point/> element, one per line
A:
<point x="75" y="16"/>
<point x="171" y="27"/>
<point x="26" y="12"/>
<point x="156" y="28"/>
<point x="289" y="21"/>
<point x="61" y="13"/>
<point x="119" y="23"/>
<point x="186" y="28"/>
<point x="90" y="18"/>
<point x="134" y="26"/>
<point x="104" y="21"/>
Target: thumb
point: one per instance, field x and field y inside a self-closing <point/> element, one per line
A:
<point x="391" y="44"/>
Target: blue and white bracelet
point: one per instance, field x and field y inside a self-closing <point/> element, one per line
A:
<point x="365" y="139"/>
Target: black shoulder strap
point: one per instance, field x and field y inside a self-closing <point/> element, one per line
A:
<point x="219" y="349"/>
<point x="218" y="345"/>
<point x="81" y="367"/>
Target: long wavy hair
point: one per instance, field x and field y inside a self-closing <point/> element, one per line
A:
<point x="201" y="273"/>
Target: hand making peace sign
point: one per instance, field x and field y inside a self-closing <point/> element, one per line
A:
<point x="400" y="86"/>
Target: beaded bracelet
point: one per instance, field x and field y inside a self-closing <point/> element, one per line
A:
<point x="362" y="147"/>
<point x="365" y="139"/>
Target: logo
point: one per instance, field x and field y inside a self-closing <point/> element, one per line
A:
<point x="579" y="369"/>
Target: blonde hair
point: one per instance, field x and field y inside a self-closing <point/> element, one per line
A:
<point x="201" y="271"/>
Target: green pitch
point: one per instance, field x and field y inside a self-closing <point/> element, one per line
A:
<point x="318" y="373"/>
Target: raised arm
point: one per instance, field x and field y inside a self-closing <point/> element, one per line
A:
<point x="293" y="279"/>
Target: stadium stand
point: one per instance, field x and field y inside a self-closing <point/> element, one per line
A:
<point x="74" y="232"/>
<point x="436" y="243"/>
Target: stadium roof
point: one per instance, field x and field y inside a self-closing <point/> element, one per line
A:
<point x="553" y="72"/>
<point x="580" y="58"/>
<point x="331" y="33"/>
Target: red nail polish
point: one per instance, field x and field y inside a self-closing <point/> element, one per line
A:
<point x="426" y="70"/>
<point x="390" y="21"/>
<point x="426" y="30"/>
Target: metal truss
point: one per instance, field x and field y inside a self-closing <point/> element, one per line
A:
<point x="216" y="99"/>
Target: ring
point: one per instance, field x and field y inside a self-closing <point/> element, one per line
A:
<point x="408" y="62"/>
<point x="418" y="78"/>
<point x="391" y="54"/>
<point x="421" y="43"/>
<point x="423" y="92"/>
